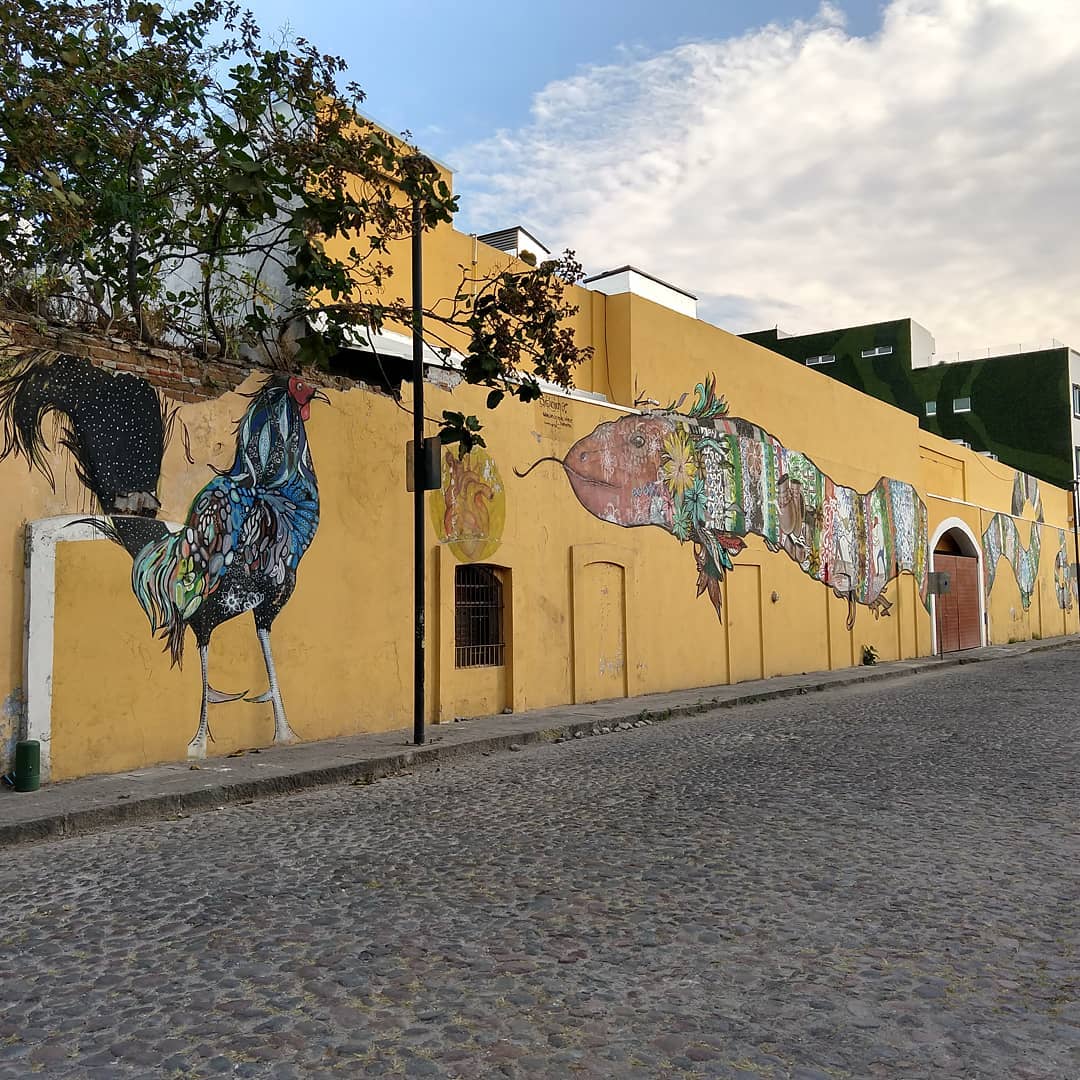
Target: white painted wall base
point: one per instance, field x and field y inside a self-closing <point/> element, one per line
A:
<point x="39" y="618"/>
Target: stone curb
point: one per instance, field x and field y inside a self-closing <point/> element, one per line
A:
<point x="367" y="770"/>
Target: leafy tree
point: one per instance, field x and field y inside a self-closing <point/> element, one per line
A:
<point x="166" y="174"/>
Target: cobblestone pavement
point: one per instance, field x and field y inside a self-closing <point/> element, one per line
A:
<point x="873" y="882"/>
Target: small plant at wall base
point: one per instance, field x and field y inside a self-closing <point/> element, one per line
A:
<point x="166" y="176"/>
<point x="869" y="656"/>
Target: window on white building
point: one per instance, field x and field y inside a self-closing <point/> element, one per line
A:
<point x="1076" y="400"/>
<point x="961" y="404"/>
<point x="825" y="358"/>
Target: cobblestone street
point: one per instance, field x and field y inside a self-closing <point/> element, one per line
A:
<point x="878" y="881"/>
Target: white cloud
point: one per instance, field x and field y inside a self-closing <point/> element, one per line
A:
<point x="801" y="176"/>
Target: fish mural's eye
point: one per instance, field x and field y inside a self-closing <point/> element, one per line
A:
<point x="637" y="440"/>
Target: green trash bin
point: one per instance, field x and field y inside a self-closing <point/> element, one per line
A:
<point x="27" y="765"/>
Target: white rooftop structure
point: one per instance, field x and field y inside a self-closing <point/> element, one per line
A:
<point x="628" y="279"/>
<point x="514" y="241"/>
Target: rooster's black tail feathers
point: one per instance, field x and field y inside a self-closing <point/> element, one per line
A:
<point x="131" y="533"/>
<point x="114" y="426"/>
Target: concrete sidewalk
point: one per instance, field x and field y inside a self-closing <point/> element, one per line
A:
<point x="177" y="790"/>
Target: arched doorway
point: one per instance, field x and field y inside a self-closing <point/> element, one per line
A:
<point x="958" y="614"/>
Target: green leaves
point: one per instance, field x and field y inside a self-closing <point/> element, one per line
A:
<point x="164" y="174"/>
<point x="516" y="321"/>
<point x="461" y="429"/>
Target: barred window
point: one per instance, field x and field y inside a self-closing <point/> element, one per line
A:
<point x="478" y="617"/>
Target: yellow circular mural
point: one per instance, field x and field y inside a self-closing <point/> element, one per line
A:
<point x="469" y="512"/>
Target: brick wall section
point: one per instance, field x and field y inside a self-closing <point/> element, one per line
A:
<point x="180" y="375"/>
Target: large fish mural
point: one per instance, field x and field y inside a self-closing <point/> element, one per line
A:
<point x="710" y="479"/>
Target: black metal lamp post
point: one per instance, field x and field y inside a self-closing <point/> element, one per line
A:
<point x="418" y="478"/>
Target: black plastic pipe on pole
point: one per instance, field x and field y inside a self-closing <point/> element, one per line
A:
<point x="418" y="475"/>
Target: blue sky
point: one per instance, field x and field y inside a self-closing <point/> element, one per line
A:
<point x="800" y="163"/>
<point x="453" y="73"/>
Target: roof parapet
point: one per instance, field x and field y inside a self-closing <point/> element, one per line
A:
<point x="628" y="279"/>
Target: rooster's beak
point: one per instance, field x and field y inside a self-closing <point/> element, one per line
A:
<point x="320" y="396"/>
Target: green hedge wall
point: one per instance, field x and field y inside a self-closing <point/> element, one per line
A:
<point x="1021" y="404"/>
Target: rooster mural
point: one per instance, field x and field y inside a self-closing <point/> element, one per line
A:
<point x="246" y="530"/>
<point x="710" y="478"/>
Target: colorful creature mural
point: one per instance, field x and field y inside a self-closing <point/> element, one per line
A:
<point x="710" y="478"/>
<point x="1001" y="537"/>
<point x="469" y="511"/>
<point x="246" y="530"/>
<point x="1026" y="491"/>
<point x="1064" y="585"/>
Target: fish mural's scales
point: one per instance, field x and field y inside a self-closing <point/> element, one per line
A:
<point x="711" y="478"/>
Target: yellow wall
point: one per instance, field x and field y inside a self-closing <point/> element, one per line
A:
<point x="593" y="609"/>
<point x="973" y="488"/>
<point x="452" y="259"/>
<point x="344" y="642"/>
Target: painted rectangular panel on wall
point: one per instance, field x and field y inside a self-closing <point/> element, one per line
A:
<point x="908" y="603"/>
<point x="745" y="655"/>
<point x="478" y="691"/>
<point x="942" y="475"/>
<point x="600" y="628"/>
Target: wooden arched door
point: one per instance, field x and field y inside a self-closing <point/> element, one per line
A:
<point x="958" y="609"/>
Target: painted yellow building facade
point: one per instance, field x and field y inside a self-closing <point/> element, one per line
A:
<point x="592" y="607"/>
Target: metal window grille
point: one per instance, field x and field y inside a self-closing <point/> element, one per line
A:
<point x="478" y="617"/>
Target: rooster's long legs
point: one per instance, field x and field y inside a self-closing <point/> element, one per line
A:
<point x="197" y="747"/>
<point x="282" y="732"/>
